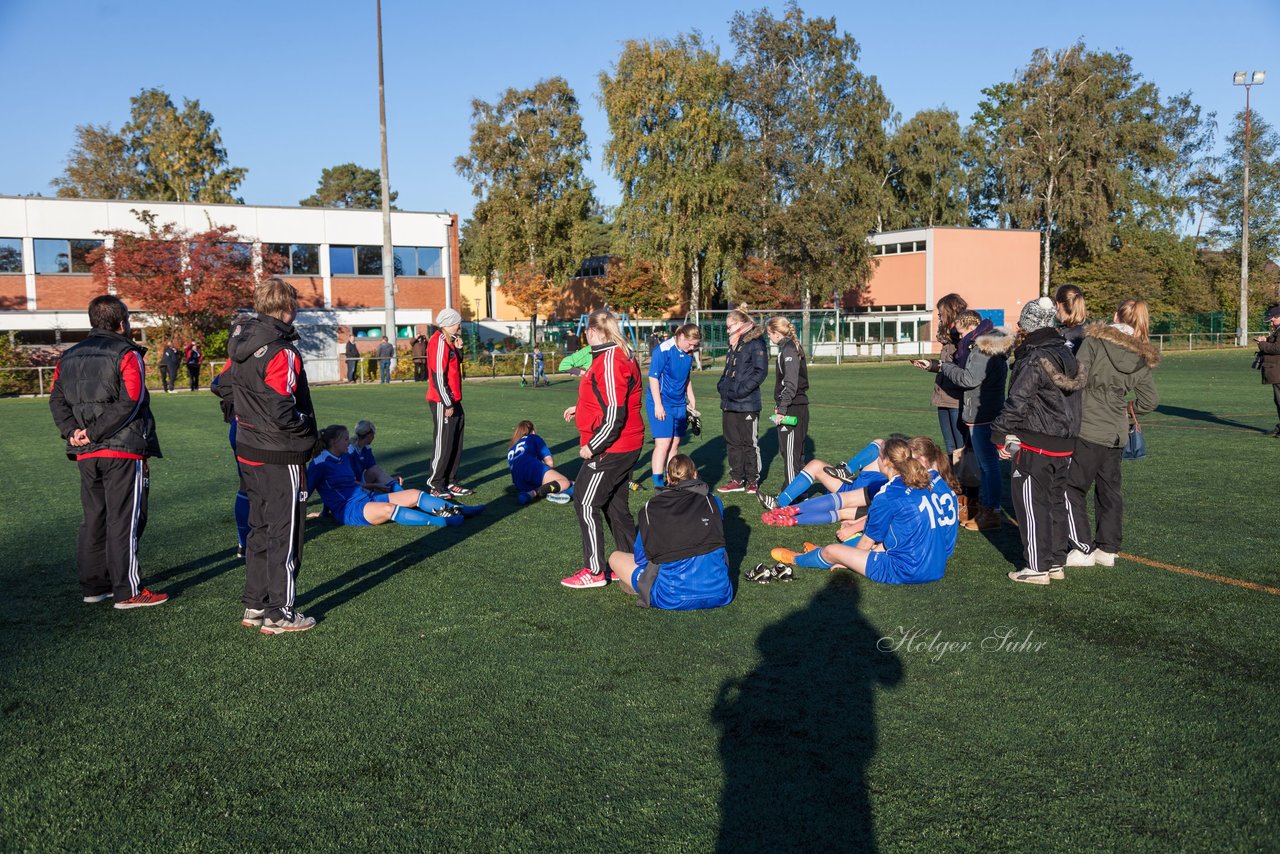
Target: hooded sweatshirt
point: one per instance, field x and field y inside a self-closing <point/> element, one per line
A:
<point x="1116" y="364"/>
<point x="264" y="387"/>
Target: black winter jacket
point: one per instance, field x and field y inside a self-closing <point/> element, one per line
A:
<point x="746" y="367"/>
<point x="268" y="396"/>
<point x="791" y="377"/>
<point x="1043" y="407"/>
<point x="89" y="392"/>
<point x="1270" y="350"/>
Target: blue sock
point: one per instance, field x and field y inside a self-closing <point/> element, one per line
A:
<point x="469" y="510"/>
<point x="525" y="497"/>
<point x="242" y="518"/>
<point x="569" y="491"/>
<point x="795" y="489"/>
<point x="852" y="541"/>
<point x="428" y="502"/>
<point x="659" y="481"/>
<point x="416" y="518"/>
<point x="864" y="458"/>
<point x="829" y="503"/>
<point x="811" y="516"/>
<point x="812" y="560"/>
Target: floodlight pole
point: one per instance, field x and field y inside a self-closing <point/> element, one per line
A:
<point x="388" y="255"/>
<point x="1242" y="327"/>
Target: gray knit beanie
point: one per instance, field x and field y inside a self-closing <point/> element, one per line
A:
<point x="1037" y="314"/>
<point x="448" y="317"/>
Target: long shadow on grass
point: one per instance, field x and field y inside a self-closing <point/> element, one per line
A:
<point x="798" y="732"/>
<point x="1201" y="415"/>
<point x="737" y="534"/>
<point x="710" y="459"/>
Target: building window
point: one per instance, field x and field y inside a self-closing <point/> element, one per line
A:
<point x="429" y="263"/>
<point x="342" y="260"/>
<point x="920" y="246"/>
<point x="63" y="256"/>
<point x="368" y="260"/>
<point x="10" y="254"/>
<point x="300" y="259"/>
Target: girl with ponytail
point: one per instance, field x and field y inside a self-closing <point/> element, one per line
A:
<point x="790" y="396"/>
<point x="910" y="530"/>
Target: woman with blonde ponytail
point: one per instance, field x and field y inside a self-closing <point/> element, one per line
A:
<point x="790" y="396"/>
<point x="911" y="528"/>
<point x="611" y="429"/>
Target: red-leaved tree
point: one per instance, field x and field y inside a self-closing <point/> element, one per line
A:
<point x="635" y="286"/>
<point x="528" y="289"/>
<point x="184" y="281"/>
<point x="763" y="283"/>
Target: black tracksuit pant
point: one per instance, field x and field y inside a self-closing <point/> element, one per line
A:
<point x="791" y="440"/>
<point x="603" y="484"/>
<point x="1097" y="466"/>
<point x="742" y="445"/>
<point x="273" y="555"/>
<point x="1038" y="484"/>
<point x="193" y="374"/>
<point x="447" y="453"/>
<point x="168" y="376"/>
<point x="419" y="370"/>
<point x="113" y="493"/>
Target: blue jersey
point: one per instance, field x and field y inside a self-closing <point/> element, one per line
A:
<point x="918" y="529"/>
<point x="525" y="459"/>
<point x="335" y="478"/>
<point x="670" y="366"/>
<point x="687" y="584"/>
<point x="361" y="461"/>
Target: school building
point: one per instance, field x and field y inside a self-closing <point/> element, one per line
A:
<point x="334" y="260"/>
<point x="995" y="270"/>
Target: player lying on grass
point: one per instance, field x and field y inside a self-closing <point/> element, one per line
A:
<point x="911" y="529"/>
<point x="349" y="503"/>
<point x="850" y="488"/>
<point x="533" y="470"/>
<point x="679" y="561"/>
<point x="369" y="474"/>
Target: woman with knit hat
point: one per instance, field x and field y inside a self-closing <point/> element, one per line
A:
<point x="444" y="396"/>
<point x="1037" y="429"/>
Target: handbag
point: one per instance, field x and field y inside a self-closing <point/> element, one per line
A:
<point x="968" y="472"/>
<point x="1136" y="447"/>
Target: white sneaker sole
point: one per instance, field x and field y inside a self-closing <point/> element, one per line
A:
<point x="1104" y="559"/>
<point x="94" y="600"/>
<point x="1038" y="578"/>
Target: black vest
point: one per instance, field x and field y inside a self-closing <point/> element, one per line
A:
<point x="679" y="522"/>
<point x="90" y="381"/>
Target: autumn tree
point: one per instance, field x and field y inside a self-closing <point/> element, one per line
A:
<point x="349" y="186"/>
<point x="672" y="146"/>
<point x="525" y="165"/>
<point x="161" y="154"/>
<point x="814" y="146"/>
<point x="182" y="279"/>
<point x="927" y="175"/>
<point x="635" y="286"/>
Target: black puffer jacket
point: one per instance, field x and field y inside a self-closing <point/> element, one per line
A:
<point x="1270" y="350"/>
<point x="270" y="397"/>
<point x="746" y="367"/>
<point x="89" y="392"/>
<point x="1043" y="407"/>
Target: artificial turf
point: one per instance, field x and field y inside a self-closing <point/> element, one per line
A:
<point x="455" y="697"/>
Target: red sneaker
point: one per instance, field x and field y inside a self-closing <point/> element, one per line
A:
<point x="144" y="599"/>
<point x="779" y="519"/>
<point x="753" y="487"/>
<point x="584" y="579"/>
<point x="732" y="486"/>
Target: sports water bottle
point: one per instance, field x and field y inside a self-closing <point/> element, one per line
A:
<point x="789" y="420"/>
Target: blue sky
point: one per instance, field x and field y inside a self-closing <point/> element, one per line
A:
<point x="293" y="85"/>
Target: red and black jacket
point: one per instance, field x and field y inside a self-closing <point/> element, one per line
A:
<point x="98" y="385"/>
<point x="608" y="416"/>
<point x="265" y="386"/>
<point x="445" y="368"/>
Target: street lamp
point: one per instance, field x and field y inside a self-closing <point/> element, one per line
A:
<point x="1247" y="80"/>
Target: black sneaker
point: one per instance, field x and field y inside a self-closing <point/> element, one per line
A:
<point x="767" y="501"/>
<point x="446" y="512"/>
<point x="840" y="472"/>
<point x="760" y="575"/>
<point x="782" y="572"/>
<point x="459" y="489"/>
<point x="239" y="552"/>
<point x="442" y="494"/>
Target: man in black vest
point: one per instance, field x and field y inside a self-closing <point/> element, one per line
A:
<point x="264" y="387"/>
<point x="100" y="404"/>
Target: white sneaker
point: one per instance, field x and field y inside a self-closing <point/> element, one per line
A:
<point x="1102" y="558"/>
<point x="1078" y="558"/>
<point x="1026" y="576"/>
<point x="253" y="617"/>
<point x="1055" y="573"/>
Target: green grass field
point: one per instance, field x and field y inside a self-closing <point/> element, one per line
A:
<point x="455" y="697"/>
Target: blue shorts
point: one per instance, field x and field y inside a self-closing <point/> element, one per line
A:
<point x="353" y="510"/>
<point x="888" y="568"/>
<point x="674" y="426"/>
<point x="529" y="474"/>
<point x="871" y="481"/>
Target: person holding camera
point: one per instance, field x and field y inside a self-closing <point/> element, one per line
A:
<point x="1269" y="358"/>
<point x="444" y="396"/>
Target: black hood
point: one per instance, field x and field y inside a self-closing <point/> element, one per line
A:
<point x="251" y="334"/>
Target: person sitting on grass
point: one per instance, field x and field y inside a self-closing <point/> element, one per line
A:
<point x="910" y="531"/>
<point x="679" y="561"/>
<point x="349" y="503"/>
<point x="368" y="473"/>
<point x="851" y="486"/>
<point x="532" y="468"/>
